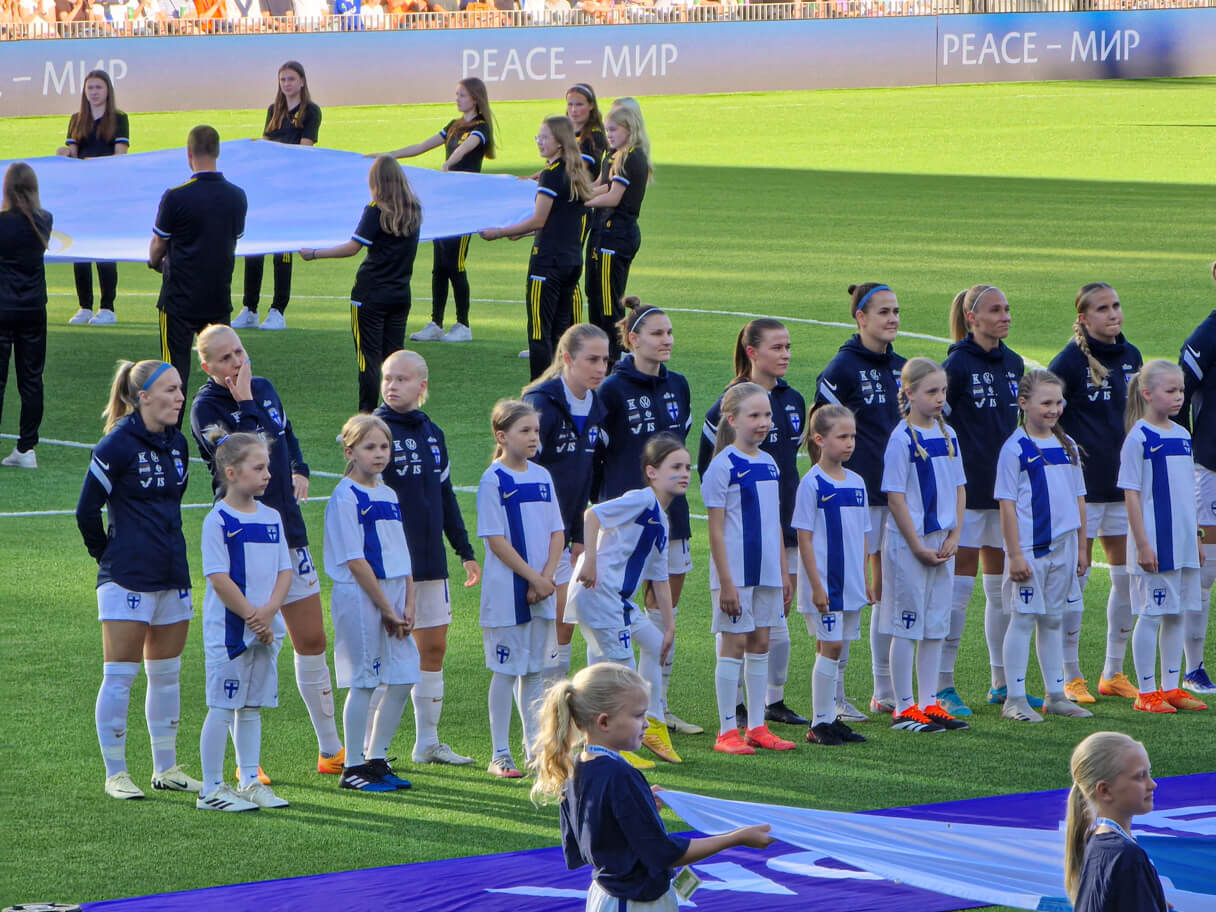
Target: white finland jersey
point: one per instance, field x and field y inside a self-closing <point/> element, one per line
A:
<point x="748" y="489"/>
<point x="837" y="514"/>
<point x="918" y="465"/>
<point x="1043" y="483"/>
<point x="363" y="522"/>
<point x="1158" y="463"/>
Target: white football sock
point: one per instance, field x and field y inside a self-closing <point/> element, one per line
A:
<point x="502" y="692"/>
<point x="1144" y="652"/>
<point x="755" y="681"/>
<point x="726" y="684"/>
<point x="562" y="667"/>
<point x="1197" y="621"/>
<point x="996" y="622"/>
<point x="113" y="702"/>
<point x="247" y="737"/>
<point x="649" y="641"/>
<point x="928" y="666"/>
<point x="1172" y="634"/>
<point x="529" y="692"/>
<point x="317" y="692"/>
<point x="1049" y="643"/>
<point x="1071" y="633"/>
<point x="656" y="618"/>
<point x="823" y="690"/>
<point x="1118" y="621"/>
<point x="373" y="707"/>
<point x="841" y="664"/>
<point x="428" y="706"/>
<point x="960" y="598"/>
<point x="211" y="747"/>
<point x="387" y="719"/>
<point x="903" y="657"/>
<point x="881" y="646"/>
<point x="778" y="661"/>
<point x="1016" y="652"/>
<point x="354" y="723"/>
<point x="162" y="708"/>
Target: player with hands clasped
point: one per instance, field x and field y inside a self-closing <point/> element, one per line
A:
<point x="626" y="547"/>
<point x="609" y="816"/>
<point x="832" y="518"/>
<point x="249" y="572"/>
<point x="1041" y="492"/>
<point x="372" y="603"/>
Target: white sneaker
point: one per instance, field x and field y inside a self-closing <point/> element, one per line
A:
<point x="246" y="319"/>
<point x="83" y="316"/>
<point x="103" y="317"/>
<point x="18" y="460"/>
<point x="224" y="798"/>
<point x="441" y="753"/>
<point x="121" y="786"/>
<point x="262" y="796"/>
<point x="174" y="780"/>
<point x="432" y="332"/>
<point x="524" y="354"/>
<point x="274" y="320"/>
<point x="458" y="333"/>
<point x="847" y="712"/>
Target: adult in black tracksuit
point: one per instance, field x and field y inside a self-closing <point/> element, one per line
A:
<point x="236" y="400"/>
<point x="1198" y="415"/>
<point x="421" y="476"/>
<point x="571" y="414"/>
<point x="557" y="254"/>
<point x="97" y="130"/>
<point x="583" y="109"/>
<point x="982" y="376"/>
<point x="864" y="376"/>
<point x="293" y="119"/>
<point x="615" y="236"/>
<point x="1096" y="367"/>
<point x="139" y="472"/>
<point x="380" y="299"/>
<point x="467" y="140"/>
<point x="762" y="356"/>
<point x="25" y="228"/>
<point x="642" y="397"/>
<point x="194" y="248"/>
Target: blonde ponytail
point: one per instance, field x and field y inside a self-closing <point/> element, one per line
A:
<point x="1149" y="376"/>
<point x="1098" y="758"/>
<point x="732" y="401"/>
<point x="129" y="379"/>
<point x="1097" y="370"/>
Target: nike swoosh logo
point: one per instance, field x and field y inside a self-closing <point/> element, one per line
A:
<point x="653" y="522"/>
<point x="509" y="494"/>
<point x="742" y="474"/>
<point x="829" y="384"/>
<point x="1033" y="459"/>
<point x="102" y="464"/>
<point x="1156" y="448"/>
<point x="233" y="534"/>
<point x="1192" y="352"/>
<point x="827" y="498"/>
<point x="365" y="512"/>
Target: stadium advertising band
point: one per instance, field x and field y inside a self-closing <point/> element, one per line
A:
<point x="532" y="63"/>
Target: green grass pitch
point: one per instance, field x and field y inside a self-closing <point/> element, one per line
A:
<point x="762" y="204"/>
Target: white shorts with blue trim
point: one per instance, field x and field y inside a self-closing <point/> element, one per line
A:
<point x="1172" y="592"/>
<point x="304" y="579"/>
<point x="564" y="568"/>
<point x="1105" y="519"/>
<point x="521" y="648"/>
<point x="156" y="609"/>
<point x="599" y="900"/>
<point x="760" y="606"/>
<point x="1053" y="583"/>
<point x="915" y="598"/>
<point x="251" y="679"/>
<point x="834" y="626"/>
<point x="615" y="644"/>
<point x="1205" y="496"/>
<point x="981" y="529"/>
<point x="432" y="604"/>
<point x="364" y="653"/>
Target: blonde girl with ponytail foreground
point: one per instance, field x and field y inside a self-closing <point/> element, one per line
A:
<point x="609" y="815"/>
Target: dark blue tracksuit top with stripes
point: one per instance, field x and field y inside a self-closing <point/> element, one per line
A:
<point x="1198" y="415"/>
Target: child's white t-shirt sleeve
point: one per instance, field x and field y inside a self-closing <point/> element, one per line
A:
<point x="1131" y="463"/>
<point x="285" y="559"/>
<point x="714" y="484"/>
<point x="805" y="504"/>
<point x="895" y="465"/>
<point x="349" y="544"/>
<point x="556" y="523"/>
<point x="623" y="509"/>
<point x="958" y="473"/>
<point x="491" y="518"/>
<point x="1008" y="467"/>
<point x="1078" y="475"/>
<point x="215" y="553"/>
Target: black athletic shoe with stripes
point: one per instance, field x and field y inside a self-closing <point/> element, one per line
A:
<point x="363" y="779"/>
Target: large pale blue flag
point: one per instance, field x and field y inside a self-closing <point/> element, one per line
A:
<point x="299" y="196"/>
<point x="1022" y="867"/>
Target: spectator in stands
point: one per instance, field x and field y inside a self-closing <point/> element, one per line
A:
<point x="70" y="11"/>
<point x="309" y="14"/>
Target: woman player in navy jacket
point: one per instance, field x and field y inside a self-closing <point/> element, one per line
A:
<point x="642" y="397"/>
<point x="235" y="399"/>
<point x="762" y="356"/>
<point x="864" y="376"/>
<point x="421" y="477"/>
<point x="982" y="376"/>
<point x="139" y="472"/>
<point x="571" y="414"/>
<point x="1096" y="367"/>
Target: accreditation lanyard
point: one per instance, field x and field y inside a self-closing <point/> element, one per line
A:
<point x="1110" y="824"/>
<point x="595" y="749"/>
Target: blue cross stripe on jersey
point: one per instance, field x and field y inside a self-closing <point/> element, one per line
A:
<point x="935" y="448"/>
<point x="1157" y="450"/>
<point x="513" y="496"/>
<point x="371" y="512"/>
<point x="652" y="536"/>
<point x="832" y="499"/>
<point x="237" y="535"/>
<point x="747" y="475"/>
<point x="1034" y="462"/>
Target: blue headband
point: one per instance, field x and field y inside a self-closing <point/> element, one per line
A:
<point x="219" y="443"/>
<point x="152" y="378"/>
<point x="869" y="294"/>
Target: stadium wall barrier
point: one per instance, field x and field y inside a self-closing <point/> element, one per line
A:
<point x="407" y="67"/>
